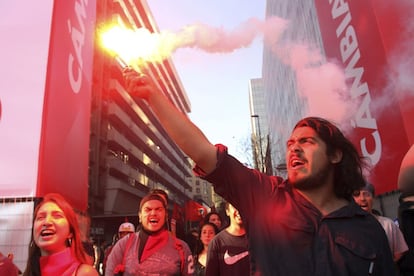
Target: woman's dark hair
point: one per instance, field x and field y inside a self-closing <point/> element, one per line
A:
<point x="199" y="245"/>
<point x="348" y="174"/>
<point x="33" y="265"/>
<point x="207" y="217"/>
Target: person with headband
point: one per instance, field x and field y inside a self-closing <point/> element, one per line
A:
<point x="153" y="250"/>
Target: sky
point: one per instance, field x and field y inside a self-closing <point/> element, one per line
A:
<point x="216" y="83"/>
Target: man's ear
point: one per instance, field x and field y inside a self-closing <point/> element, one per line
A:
<point x="336" y="157"/>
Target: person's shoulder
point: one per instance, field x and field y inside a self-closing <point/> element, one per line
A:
<point x="86" y="270"/>
<point x="122" y="243"/>
<point x="127" y="238"/>
<point x="220" y="234"/>
<point x="108" y="249"/>
<point x="180" y="245"/>
<point x="387" y="222"/>
<point x="182" y="242"/>
<point x="386" y="219"/>
<point x="357" y="220"/>
<point x="220" y="237"/>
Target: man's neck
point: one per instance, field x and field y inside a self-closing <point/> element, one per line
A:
<point x="236" y="230"/>
<point x="324" y="199"/>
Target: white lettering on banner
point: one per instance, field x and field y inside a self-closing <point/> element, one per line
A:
<point x="75" y="64"/>
<point x="350" y="54"/>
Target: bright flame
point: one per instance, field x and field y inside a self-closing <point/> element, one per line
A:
<point x="134" y="47"/>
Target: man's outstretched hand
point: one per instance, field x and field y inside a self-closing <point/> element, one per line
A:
<point x="137" y="84"/>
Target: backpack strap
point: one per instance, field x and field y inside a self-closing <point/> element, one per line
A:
<point x="121" y="267"/>
<point x="180" y="248"/>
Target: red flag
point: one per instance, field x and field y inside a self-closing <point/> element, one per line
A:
<point x="177" y="213"/>
<point x="194" y="211"/>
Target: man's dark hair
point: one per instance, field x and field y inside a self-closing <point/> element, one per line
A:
<point x="348" y="176"/>
<point x="160" y="192"/>
<point x="370" y="188"/>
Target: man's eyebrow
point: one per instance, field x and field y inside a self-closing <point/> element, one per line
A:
<point x="300" y="138"/>
<point x="290" y="140"/>
<point x="158" y="207"/>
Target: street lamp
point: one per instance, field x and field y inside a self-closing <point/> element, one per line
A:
<point x="260" y="141"/>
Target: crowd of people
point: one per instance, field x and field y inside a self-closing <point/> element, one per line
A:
<point x="57" y="246"/>
<point x="318" y="221"/>
<point x="217" y="250"/>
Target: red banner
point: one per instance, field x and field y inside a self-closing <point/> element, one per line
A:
<point x="64" y="147"/>
<point x="394" y="20"/>
<point x="178" y="212"/>
<point x="352" y="36"/>
<point x="194" y="211"/>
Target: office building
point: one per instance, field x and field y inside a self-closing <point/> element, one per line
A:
<point x="130" y="153"/>
<point x="261" y="148"/>
<point x="366" y="40"/>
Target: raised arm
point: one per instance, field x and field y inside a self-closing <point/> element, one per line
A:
<point x="184" y="133"/>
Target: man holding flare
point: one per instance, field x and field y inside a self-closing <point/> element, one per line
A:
<point x="307" y="224"/>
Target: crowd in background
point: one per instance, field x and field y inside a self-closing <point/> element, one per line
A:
<point x="218" y="245"/>
<point x="319" y="220"/>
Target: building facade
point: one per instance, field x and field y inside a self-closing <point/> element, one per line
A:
<point x="130" y="153"/>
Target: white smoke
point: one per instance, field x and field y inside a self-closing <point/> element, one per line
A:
<point x="218" y="40"/>
<point x="401" y="60"/>
<point x="322" y="83"/>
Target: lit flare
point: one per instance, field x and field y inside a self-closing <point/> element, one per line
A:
<point x="135" y="47"/>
